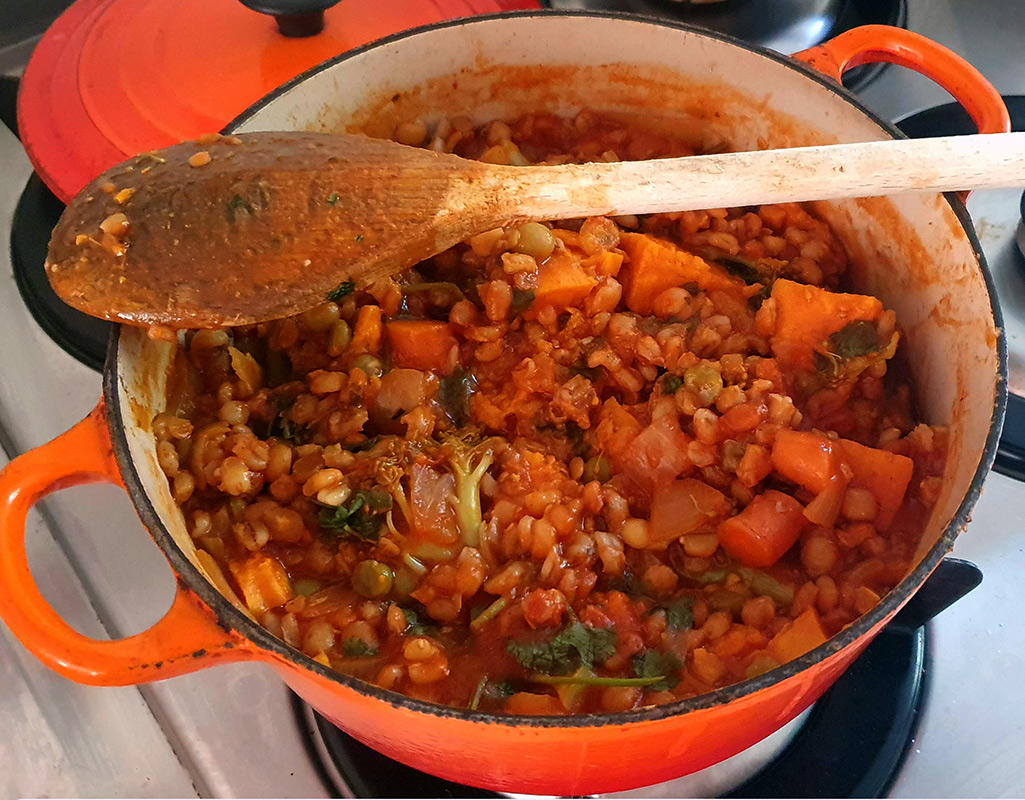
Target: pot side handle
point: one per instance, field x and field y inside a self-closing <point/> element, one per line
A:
<point x="871" y="43"/>
<point x="186" y="639"/>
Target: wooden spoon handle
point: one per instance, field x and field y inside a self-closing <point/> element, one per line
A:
<point x="829" y="172"/>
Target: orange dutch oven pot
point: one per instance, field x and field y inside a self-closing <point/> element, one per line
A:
<point x="921" y="258"/>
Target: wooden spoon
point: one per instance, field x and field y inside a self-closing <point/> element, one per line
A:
<point x="237" y="230"/>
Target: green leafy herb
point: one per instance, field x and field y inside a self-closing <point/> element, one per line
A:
<point x="580" y="368"/>
<point x="662" y="669"/>
<point x="238" y="204"/>
<point x="576" y="644"/>
<point x="754" y="302"/>
<point x="292" y="431"/>
<point x="855" y="339"/>
<point x="522" y="299"/>
<point x="342" y="290"/>
<point x="360" y="519"/>
<point x="504" y="690"/>
<point x="281" y="427"/>
<point x="454" y="393"/>
<point x="680" y="614"/>
<point x="414" y="627"/>
<point x="362" y="447"/>
<point x="357" y="647"/>
<point x="359" y="237"/>
<point x="333" y="198"/>
<point x="744" y="268"/>
<point x="671" y="383"/>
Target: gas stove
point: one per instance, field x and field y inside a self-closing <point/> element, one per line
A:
<point x="946" y="722"/>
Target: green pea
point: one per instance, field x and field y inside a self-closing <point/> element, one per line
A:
<point x="535" y="240"/>
<point x="598" y="469"/>
<point x="704" y="381"/>
<point x="306" y="586"/>
<point x="339" y="338"/>
<point x="372" y="578"/>
<point x="371" y="365"/>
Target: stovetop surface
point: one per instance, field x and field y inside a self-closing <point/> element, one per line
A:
<point x="230" y="731"/>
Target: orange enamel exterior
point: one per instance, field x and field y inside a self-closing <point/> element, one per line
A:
<point x="872" y="43"/>
<point x="543" y="755"/>
<point x="187" y="638"/>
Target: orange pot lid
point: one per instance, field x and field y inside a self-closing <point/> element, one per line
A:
<point x="113" y="78"/>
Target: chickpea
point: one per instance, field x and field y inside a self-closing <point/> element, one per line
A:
<point x="635" y="533"/>
<point x="411" y="133"/>
<point x="819" y="555"/>
<point x="860" y="505"/>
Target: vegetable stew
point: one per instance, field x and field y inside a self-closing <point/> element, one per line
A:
<point x="588" y="466"/>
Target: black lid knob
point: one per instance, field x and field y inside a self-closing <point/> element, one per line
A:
<point x="295" y="18"/>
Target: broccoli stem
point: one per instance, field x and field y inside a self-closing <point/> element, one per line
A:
<point x="468" y="511"/>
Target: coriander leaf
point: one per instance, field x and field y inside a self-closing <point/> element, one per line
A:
<point x="505" y="689"/>
<point x="454" y="393"/>
<point x="522" y="299"/>
<point x="332" y="198"/>
<point x="594" y="645"/>
<point x="679" y="614"/>
<point x="537" y="656"/>
<point x="575" y="645"/>
<point x="855" y="339"/>
<point x="359" y="237"/>
<point x="343" y="289"/>
<point x="655" y="663"/>
<point x="414" y="628"/>
<point x="283" y="428"/>
<point x="743" y="268"/>
<point x="671" y="383"/>
<point x="360" y="519"/>
<point x="357" y="647"/>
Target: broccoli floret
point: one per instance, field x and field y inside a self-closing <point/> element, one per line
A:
<point x="469" y="459"/>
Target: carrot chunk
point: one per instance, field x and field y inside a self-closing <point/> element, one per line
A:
<point x="806" y="316"/>
<point x="801" y="636"/>
<point x="562" y="282"/>
<point x="883" y="473"/>
<point x="366" y="335"/>
<point x="760" y="534"/>
<point x="422" y="344"/>
<point x="681" y="508"/>
<point x="805" y="458"/>
<point x="656" y="265"/>
<point x="263" y="581"/>
<point x="605" y="263"/>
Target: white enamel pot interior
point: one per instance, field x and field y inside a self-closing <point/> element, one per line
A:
<point x="919" y="255"/>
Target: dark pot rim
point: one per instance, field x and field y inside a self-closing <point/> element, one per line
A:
<point x="233" y="619"/>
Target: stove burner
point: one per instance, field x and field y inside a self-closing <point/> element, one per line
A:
<point x="82" y="336"/>
<point x="785" y="27"/>
<point x="852" y="744"/>
<point x="997" y="214"/>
